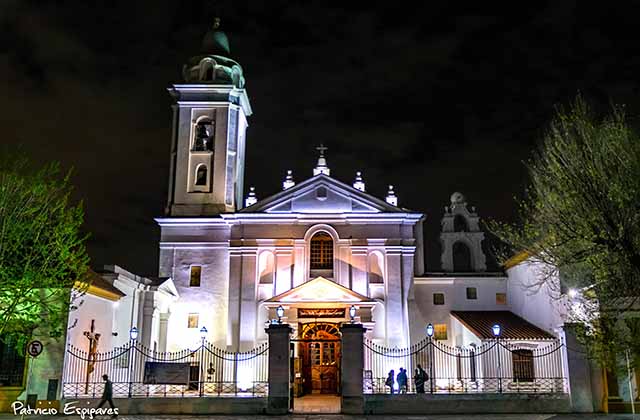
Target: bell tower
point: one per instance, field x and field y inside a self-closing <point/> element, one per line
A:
<point x="461" y="238"/>
<point x="210" y="113"/>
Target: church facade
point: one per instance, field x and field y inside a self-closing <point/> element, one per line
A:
<point x="317" y="248"/>
<point x="319" y="253"/>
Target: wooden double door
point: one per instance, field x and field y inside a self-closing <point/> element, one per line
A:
<point x="320" y="359"/>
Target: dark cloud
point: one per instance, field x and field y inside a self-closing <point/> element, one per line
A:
<point x="430" y="99"/>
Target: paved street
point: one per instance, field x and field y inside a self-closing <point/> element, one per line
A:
<point x="345" y="417"/>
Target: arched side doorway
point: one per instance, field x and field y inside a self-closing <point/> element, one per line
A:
<point x="320" y="359"/>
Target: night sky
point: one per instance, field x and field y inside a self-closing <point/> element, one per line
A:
<point x="430" y="99"/>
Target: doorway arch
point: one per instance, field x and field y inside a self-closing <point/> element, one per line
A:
<point x="321" y="355"/>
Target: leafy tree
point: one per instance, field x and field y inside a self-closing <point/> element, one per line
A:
<point x="580" y="218"/>
<point x="42" y="252"/>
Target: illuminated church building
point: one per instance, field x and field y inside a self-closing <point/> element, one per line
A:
<point x="316" y="248"/>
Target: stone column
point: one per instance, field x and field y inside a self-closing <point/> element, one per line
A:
<point x="148" y="309"/>
<point x="164" y="322"/>
<point x="279" y="369"/>
<point x="352" y="368"/>
<point x="579" y="372"/>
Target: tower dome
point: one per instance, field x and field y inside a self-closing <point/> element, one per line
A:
<point x="457" y="198"/>
<point x="216" y="41"/>
<point x="214" y="65"/>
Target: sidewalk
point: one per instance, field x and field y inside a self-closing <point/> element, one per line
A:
<point x="346" y="417"/>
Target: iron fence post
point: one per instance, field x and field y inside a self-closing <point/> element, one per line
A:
<point x="131" y="364"/>
<point x="200" y="369"/>
<point x="499" y="366"/>
<point x="431" y="352"/>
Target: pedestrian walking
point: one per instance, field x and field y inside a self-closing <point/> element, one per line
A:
<point x="390" y="381"/>
<point x="402" y="381"/>
<point x="107" y="394"/>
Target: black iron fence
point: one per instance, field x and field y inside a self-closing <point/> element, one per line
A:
<point x="137" y="371"/>
<point x="492" y="367"/>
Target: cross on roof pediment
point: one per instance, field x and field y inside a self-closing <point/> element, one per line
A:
<point x="319" y="290"/>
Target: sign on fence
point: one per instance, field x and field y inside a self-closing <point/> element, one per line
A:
<point x="166" y="373"/>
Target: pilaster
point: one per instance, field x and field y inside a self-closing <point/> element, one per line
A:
<point x="359" y="269"/>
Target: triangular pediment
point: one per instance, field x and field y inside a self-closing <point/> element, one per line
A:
<point x="322" y="194"/>
<point x="319" y="290"/>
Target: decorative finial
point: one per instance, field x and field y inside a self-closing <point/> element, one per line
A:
<point x="391" y="197"/>
<point x="321" y="167"/>
<point x="251" y="198"/>
<point x="358" y="184"/>
<point x="288" y="181"/>
<point x="216" y="22"/>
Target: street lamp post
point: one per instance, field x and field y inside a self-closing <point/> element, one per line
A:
<point x="133" y="336"/>
<point x="429" y="330"/>
<point x="496" y="333"/>
<point x="203" y="337"/>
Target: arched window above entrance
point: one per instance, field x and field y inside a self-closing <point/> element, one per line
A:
<point x="321" y="252"/>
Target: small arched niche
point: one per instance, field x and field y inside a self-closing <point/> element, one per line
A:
<point x="201" y="175"/>
<point x="461" y="257"/>
<point x="376" y="270"/>
<point x="266" y="267"/>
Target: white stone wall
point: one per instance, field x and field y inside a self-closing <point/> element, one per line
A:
<point x="99" y="309"/>
<point x="542" y="306"/>
<point x="455" y="299"/>
<point x="209" y="300"/>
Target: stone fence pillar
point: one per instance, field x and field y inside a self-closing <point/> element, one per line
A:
<point x="579" y="371"/>
<point x="352" y="368"/>
<point x="279" y="374"/>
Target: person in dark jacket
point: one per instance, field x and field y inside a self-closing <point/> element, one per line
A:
<point x="402" y="381"/>
<point x="421" y="377"/>
<point x="107" y="394"/>
<point x="390" y="381"/>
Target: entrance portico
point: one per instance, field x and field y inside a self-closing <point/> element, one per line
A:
<point x="315" y="310"/>
<point x="325" y="300"/>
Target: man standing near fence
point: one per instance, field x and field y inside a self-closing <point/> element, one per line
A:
<point x="107" y="395"/>
<point x="421" y="377"/>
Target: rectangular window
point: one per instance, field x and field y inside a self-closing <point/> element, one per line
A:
<point x="196" y="272"/>
<point x="472" y="293"/>
<point x="501" y="298"/>
<point x="440" y="331"/>
<point x="523" y="365"/>
<point x="193" y="321"/>
<point x="438" y="298"/>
